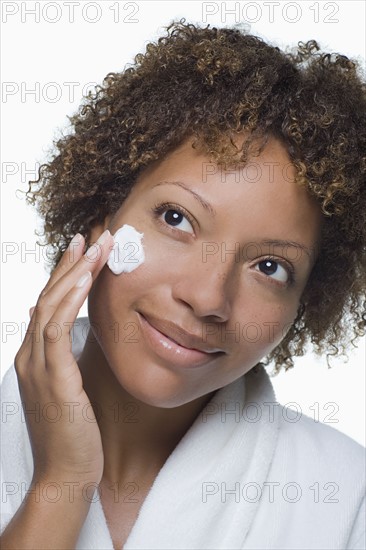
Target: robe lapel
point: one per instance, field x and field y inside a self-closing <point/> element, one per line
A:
<point x="206" y="494"/>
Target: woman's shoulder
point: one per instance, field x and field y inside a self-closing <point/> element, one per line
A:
<point x="320" y="447"/>
<point x="303" y="435"/>
<point x="311" y="431"/>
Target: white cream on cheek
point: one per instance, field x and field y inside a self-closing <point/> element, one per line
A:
<point x="127" y="253"/>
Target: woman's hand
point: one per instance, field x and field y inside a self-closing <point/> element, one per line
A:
<point x="66" y="444"/>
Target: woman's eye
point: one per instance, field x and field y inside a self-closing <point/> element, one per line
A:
<point x="174" y="217"/>
<point x="273" y="269"/>
<point x="177" y="219"/>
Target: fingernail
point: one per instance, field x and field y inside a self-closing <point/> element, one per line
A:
<point x="83" y="279"/>
<point x="103" y="237"/>
<point x="76" y="239"/>
<point x="95" y="247"/>
<point x="31" y="311"/>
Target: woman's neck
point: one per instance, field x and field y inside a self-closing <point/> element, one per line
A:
<point x="137" y="437"/>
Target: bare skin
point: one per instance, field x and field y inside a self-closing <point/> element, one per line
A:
<point x="145" y="402"/>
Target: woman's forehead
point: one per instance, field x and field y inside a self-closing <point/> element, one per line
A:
<point x="271" y="164"/>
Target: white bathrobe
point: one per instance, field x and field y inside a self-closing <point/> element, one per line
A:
<point x="248" y="474"/>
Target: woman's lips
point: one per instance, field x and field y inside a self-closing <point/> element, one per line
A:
<point x="171" y="351"/>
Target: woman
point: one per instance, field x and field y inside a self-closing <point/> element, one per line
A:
<point x="242" y="168"/>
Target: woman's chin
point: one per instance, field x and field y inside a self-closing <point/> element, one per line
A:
<point x="158" y="387"/>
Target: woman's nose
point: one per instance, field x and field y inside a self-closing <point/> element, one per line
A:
<point x="208" y="288"/>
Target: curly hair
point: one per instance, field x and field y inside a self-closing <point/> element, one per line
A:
<point x="210" y="84"/>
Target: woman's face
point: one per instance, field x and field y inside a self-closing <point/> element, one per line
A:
<point x="206" y="243"/>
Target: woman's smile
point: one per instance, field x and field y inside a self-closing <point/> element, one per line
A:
<point x="194" y="354"/>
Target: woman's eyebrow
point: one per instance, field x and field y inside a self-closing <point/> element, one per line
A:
<point x="291" y="244"/>
<point x="197" y="197"/>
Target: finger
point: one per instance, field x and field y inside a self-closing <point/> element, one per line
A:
<point x="33" y="337"/>
<point x="49" y="302"/>
<point x="93" y="260"/>
<point x="24" y="352"/>
<point x="72" y="254"/>
<point x="58" y="337"/>
<point x="70" y="257"/>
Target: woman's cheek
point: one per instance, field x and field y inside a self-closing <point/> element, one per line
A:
<point x="276" y="325"/>
<point x="260" y="329"/>
<point x="113" y="292"/>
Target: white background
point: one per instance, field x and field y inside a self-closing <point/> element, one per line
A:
<point x="60" y="48"/>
